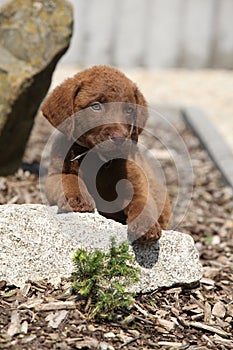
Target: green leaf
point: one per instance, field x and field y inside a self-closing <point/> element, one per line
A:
<point x="208" y="239"/>
<point x="10" y="293"/>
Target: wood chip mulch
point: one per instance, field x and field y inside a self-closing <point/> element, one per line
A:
<point x="40" y="316"/>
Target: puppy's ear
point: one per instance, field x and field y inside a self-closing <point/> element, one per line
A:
<point x="142" y="112"/>
<point x="58" y="107"/>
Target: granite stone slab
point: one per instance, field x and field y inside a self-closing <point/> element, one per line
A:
<point x="38" y="243"/>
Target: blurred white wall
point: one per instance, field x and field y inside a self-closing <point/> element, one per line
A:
<point x="152" y="33"/>
<point x="3" y="2"/>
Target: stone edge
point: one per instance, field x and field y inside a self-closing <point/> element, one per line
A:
<point x="211" y="140"/>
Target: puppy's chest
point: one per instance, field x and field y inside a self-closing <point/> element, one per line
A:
<point x="104" y="177"/>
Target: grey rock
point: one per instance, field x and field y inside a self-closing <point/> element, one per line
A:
<point x="33" y="37"/>
<point x="38" y="243"/>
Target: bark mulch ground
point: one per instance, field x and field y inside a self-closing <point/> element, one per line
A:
<point x="40" y="316"/>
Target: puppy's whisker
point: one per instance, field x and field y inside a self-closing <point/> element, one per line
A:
<point x="79" y="156"/>
<point x="131" y="130"/>
<point x="132" y="126"/>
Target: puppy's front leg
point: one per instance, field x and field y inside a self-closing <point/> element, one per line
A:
<point x="75" y="195"/>
<point x="64" y="186"/>
<point x="69" y="192"/>
<point x="144" y="211"/>
<point x="143" y="224"/>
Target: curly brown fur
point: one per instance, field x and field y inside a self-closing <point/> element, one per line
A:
<point x="71" y="188"/>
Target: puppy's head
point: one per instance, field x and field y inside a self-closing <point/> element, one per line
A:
<point x="96" y="105"/>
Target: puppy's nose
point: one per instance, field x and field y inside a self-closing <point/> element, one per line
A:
<point x="118" y="134"/>
<point x="118" y="138"/>
<point x="118" y="141"/>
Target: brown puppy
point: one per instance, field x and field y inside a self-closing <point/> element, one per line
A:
<point x="106" y="127"/>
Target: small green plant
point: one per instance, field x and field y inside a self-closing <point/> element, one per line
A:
<point x="208" y="239"/>
<point x="102" y="278"/>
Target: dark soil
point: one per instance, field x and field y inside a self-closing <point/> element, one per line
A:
<point x="200" y="318"/>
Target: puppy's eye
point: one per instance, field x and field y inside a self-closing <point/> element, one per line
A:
<point x="96" y="107"/>
<point x="129" y="110"/>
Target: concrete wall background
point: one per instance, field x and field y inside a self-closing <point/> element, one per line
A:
<point x="152" y="33"/>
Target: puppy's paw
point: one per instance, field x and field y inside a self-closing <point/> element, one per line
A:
<point x="144" y="230"/>
<point x="153" y="234"/>
<point x="67" y="204"/>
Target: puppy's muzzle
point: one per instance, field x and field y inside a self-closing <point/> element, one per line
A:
<point x="118" y="141"/>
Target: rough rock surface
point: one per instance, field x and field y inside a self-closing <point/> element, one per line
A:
<point x="33" y="36"/>
<point x="37" y="243"/>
